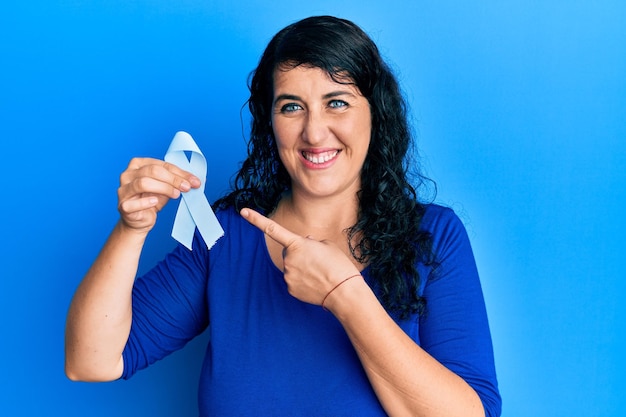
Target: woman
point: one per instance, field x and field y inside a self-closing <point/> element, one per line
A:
<point x="334" y="291"/>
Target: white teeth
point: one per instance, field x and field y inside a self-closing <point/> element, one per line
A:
<point x="319" y="158"/>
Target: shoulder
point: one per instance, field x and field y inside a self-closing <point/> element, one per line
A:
<point x="236" y="228"/>
<point x="447" y="231"/>
<point x="438" y="219"/>
<point x="228" y="216"/>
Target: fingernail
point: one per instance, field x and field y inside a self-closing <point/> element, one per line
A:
<point x="185" y="186"/>
<point x="244" y="212"/>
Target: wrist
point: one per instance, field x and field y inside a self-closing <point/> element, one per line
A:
<point x="339" y="284"/>
<point x="352" y="299"/>
<point x="345" y="297"/>
<point x="130" y="234"/>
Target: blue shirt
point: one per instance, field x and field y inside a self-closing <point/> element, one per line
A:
<point x="270" y="354"/>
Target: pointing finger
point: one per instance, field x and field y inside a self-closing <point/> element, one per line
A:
<point x="270" y="227"/>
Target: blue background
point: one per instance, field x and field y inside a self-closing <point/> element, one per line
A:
<point x="519" y="108"/>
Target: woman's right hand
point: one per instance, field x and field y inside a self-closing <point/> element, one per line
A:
<point x="146" y="186"/>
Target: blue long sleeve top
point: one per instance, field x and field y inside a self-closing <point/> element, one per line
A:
<point x="270" y="354"/>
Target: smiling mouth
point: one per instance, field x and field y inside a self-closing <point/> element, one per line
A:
<point x="320" y="158"/>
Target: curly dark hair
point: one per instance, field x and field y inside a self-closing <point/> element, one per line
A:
<point x="387" y="234"/>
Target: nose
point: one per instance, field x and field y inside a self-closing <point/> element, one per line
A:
<point x="315" y="127"/>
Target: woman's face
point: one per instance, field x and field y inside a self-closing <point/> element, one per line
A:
<point x="322" y="131"/>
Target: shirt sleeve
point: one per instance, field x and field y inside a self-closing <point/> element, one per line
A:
<point x="455" y="329"/>
<point x="169" y="307"/>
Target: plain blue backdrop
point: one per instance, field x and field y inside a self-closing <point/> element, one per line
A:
<point x="519" y="108"/>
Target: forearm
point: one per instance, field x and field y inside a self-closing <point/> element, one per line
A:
<point x="407" y="380"/>
<point x="100" y="315"/>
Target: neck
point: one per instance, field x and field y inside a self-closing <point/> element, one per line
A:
<point x="322" y="218"/>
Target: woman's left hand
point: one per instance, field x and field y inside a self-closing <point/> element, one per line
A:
<point x="312" y="268"/>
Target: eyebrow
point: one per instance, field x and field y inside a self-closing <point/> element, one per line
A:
<point x="332" y="94"/>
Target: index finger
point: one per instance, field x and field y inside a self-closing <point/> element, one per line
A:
<point x="163" y="171"/>
<point x="268" y="226"/>
<point x="179" y="172"/>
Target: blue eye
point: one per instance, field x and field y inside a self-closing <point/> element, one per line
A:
<point x="337" y="104"/>
<point x="290" y="107"/>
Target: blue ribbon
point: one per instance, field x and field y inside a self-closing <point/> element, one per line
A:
<point x="194" y="209"/>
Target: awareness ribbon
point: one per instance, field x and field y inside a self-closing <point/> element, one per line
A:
<point x="194" y="209"/>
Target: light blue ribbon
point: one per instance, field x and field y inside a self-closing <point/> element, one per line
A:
<point x="194" y="209"/>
